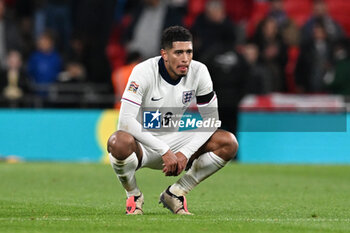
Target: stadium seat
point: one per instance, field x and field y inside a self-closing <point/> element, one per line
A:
<point x="339" y="10"/>
<point x="298" y="10"/>
<point x="115" y="51"/>
<point x="116" y="54"/>
<point x="239" y="10"/>
<point x="259" y="11"/>
<point x="194" y="8"/>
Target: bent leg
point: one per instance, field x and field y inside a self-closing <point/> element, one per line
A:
<point x="222" y="143"/>
<point x="122" y="144"/>
<point x="125" y="155"/>
<point x="213" y="155"/>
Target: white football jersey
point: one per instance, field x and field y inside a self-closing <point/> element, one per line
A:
<point x="150" y="86"/>
<point x="147" y="88"/>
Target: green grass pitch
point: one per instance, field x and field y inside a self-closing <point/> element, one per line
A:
<point x="60" y="197"/>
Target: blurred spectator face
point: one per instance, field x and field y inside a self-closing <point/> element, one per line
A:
<point x="77" y="45"/>
<point x="45" y="43"/>
<point x="215" y="11"/>
<point x="270" y="28"/>
<point x="340" y="52"/>
<point x="2" y="9"/>
<point x="76" y="70"/>
<point x="320" y="9"/>
<point x="14" y="60"/>
<point x="291" y="34"/>
<point x="276" y="5"/>
<point x="251" y="53"/>
<point x="319" y="32"/>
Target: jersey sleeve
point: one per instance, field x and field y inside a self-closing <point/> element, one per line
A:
<point x="128" y="123"/>
<point x="136" y="87"/>
<point x="205" y="84"/>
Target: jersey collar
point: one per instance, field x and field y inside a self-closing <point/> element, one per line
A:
<point x="165" y="75"/>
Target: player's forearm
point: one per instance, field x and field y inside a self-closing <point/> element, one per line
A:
<point x="207" y="111"/>
<point x="195" y="144"/>
<point x="128" y="123"/>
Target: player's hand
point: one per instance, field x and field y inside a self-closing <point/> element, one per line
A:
<point x="181" y="162"/>
<point x="170" y="163"/>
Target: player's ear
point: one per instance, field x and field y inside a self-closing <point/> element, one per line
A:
<point x="164" y="54"/>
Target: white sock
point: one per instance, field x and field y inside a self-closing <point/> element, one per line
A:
<point x="206" y="165"/>
<point x="125" y="170"/>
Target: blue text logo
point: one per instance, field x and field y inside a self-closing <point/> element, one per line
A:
<point x="151" y="119"/>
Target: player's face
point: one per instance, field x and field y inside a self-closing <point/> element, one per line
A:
<point x="178" y="58"/>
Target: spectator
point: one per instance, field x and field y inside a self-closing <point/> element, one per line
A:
<point x="121" y="75"/>
<point x="75" y="62"/>
<point x="290" y="34"/>
<point x="212" y="28"/>
<point x="259" y="80"/>
<point x="339" y="83"/>
<point x="148" y="21"/>
<point x="9" y="36"/>
<point x="277" y="12"/>
<point x="44" y="64"/>
<point x="273" y="52"/>
<point x="74" y="73"/>
<point x="291" y="38"/>
<point x="314" y="61"/>
<point x="76" y="51"/>
<point x="229" y="75"/>
<point x="93" y="23"/>
<point x="54" y="15"/>
<point x="24" y="16"/>
<point x="239" y="12"/>
<point x="71" y="88"/>
<point x="320" y="13"/>
<point x="13" y="81"/>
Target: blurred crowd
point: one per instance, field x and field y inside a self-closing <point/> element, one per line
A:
<point x="52" y="53"/>
<point x="79" y="53"/>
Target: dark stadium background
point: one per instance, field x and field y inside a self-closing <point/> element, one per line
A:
<point x="275" y="88"/>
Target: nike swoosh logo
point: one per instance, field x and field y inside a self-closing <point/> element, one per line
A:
<point x="156" y="99"/>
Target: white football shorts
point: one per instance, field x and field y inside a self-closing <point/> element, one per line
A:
<point x="175" y="141"/>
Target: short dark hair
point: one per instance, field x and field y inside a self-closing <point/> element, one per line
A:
<point x="174" y="33"/>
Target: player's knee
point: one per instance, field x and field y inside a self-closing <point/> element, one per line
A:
<point x="229" y="146"/>
<point x="120" y="144"/>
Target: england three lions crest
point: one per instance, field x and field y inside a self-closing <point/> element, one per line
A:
<point x="187" y="96"/>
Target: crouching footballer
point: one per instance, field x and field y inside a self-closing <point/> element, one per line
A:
<point x="172" y="80"/>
